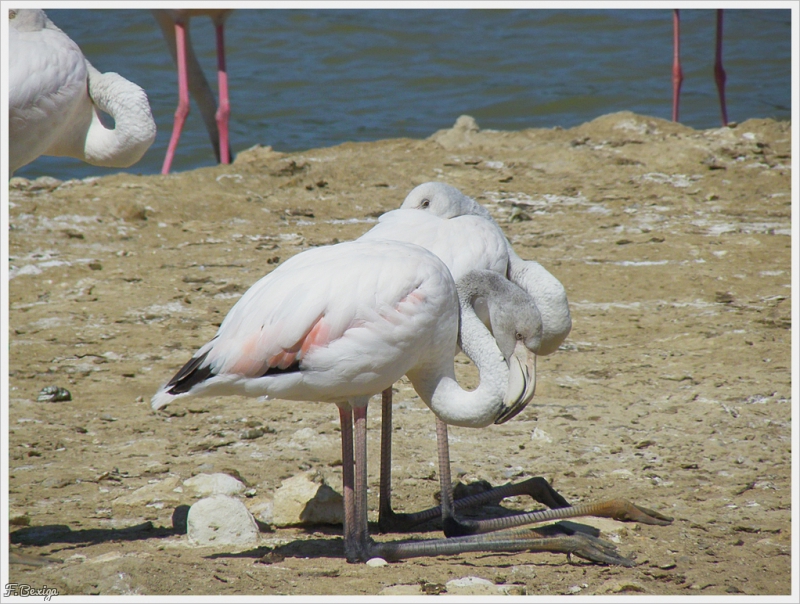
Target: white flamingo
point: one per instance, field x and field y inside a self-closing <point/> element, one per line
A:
<point x="174" y="24"/>
<point x="55" y="96"/>
<point x="547" y="292"/>
<point x="463" y="235"/>
<point x="344" y="322"/>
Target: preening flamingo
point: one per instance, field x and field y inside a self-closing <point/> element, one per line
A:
<point x="462" y="233"/>
<point x="447" y="202"/>
<point x="175" y="27"/>
<point x="677" y="72"/>
<point x="343" y="322"/>
<point x="55" y="99"/>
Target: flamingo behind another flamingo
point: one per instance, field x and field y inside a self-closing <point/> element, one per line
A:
<point x="343" y="322"/>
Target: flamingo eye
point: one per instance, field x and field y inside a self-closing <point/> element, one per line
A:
<point x="425" y="203"/>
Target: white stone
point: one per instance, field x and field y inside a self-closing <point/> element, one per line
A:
<point x="205" y="485"/>
<point x="221" y="520"/>
<point x="261" y="509"/>
<point x="306" y="499"/>
<point x="376" y="562"/>
<point x="541" y="436"/>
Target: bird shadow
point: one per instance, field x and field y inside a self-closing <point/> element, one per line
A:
<point x="334" y="547"/>
<point x="331" y="545"/>
<point x="49" y="534"/>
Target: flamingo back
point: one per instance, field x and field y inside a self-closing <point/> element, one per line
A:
<point x="329" y="324"/>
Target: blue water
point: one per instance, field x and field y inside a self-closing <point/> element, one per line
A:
<point x="301" y="79"/>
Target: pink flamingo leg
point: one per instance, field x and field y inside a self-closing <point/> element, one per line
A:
<point x="183" y="96"/>
<point x="224" y="110"/>
<point x="348" y="483"/>
<point x="677" y="72"/>
<point x="719" y="72"/>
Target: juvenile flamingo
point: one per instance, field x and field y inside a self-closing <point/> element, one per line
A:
<point x="56" y="95"/>
<point x="341" y="323"/>
<point x="175" y="27"/>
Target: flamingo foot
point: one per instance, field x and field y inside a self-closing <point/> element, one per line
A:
<point x="536" y="487"/>
<point x="625" y="511"/>
<point x="579" y="544"/>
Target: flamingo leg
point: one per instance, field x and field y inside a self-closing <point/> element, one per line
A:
<point x="719" y="72"/>
<point x="451" y="524"/>
<point x="536" y="487"/>
<point x="582" y="545"/>
<point x="386" y="515"/>
<point x="361" y="528"/>
<point x="677" y="72"/>
<point x="390" y="521"/>
<point x="348" y="483"/>
<point x="183" y="95"/>
<point x="224" y="109"/>
<point x="359" y="546"/>
<point x="445" y="480"/>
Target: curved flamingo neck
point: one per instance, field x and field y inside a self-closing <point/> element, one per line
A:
<point x="134" y="128"/>
<point x="549" y="296"/>
<point x="437" y="385"/>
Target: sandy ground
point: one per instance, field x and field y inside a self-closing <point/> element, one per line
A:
<point x="673" y="389"/>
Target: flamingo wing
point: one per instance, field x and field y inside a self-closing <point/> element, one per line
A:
<point x="328" y="324"/>
<point x="47" y="87"/>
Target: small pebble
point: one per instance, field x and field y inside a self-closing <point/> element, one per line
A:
<point x="53" y="394"/>
<point x="252" y="433"/>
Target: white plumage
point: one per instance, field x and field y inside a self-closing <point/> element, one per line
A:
<point x="346" y="321"/>
<point x="464" y="243"/>
<point x="547" y="292"/>
<point x="55" y="96"/>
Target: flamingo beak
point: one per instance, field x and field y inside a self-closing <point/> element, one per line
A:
<point x="521" y="383"/>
